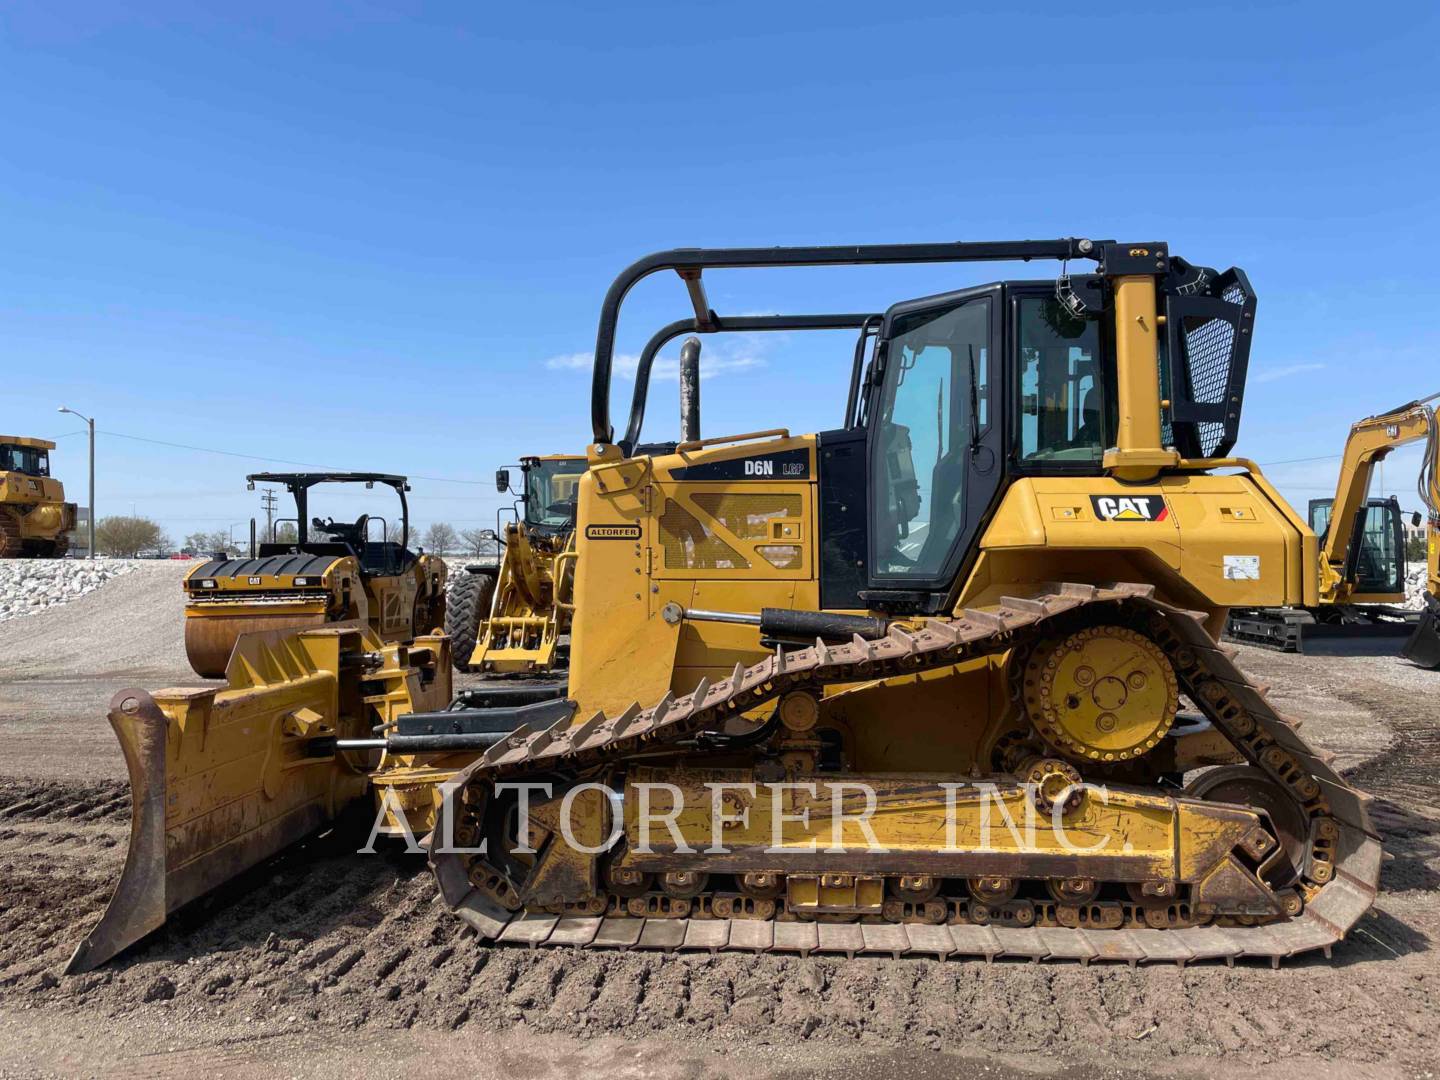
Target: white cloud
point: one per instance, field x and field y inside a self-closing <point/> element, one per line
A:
<point x="715" y="359"/>
<point x="577" y="361"/>
<point x="1271" y="374"/>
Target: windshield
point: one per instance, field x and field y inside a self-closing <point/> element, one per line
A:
<point x="550" y="491"/>
<point x="24" y="459"/>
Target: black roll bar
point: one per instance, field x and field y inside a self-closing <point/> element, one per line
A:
<point x="690" y="263"/>
<point x="717" y="325"/>
<point x="299" y="485"/>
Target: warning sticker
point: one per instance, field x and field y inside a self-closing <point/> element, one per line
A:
<point x="1241" y="567"/>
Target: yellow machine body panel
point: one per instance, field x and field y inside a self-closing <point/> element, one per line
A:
<point x="1211" y="540"/>
<point x="1208" y="541"/>
<point x="655" y="538"/>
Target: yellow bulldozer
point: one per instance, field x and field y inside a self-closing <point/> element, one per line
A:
<point x="1363" y="564"/>
<point x="329" y="572"/>
<point x="512" y="618"/>
<point x="35" y="520"/>
<point x="943" y="680"/>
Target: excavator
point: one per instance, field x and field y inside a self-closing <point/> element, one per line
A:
<point x="510" y="619"/>
<point x="1363" y="565"/>
<point x="942" y="680"/>
<point x="332" y="571"/>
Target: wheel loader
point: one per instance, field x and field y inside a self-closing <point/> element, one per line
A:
<point x="334" y="571"/>
<point x="1363" y="556"/>
<point x="943" y="680"/>
<point x="510" y="619"/>
<point x="35" y="520"/>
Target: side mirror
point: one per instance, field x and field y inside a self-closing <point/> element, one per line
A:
<point x="502" y="480"/>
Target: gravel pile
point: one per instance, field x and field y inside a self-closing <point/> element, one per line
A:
<point x="28" y="586"/>
<point x="1415" y="580"/>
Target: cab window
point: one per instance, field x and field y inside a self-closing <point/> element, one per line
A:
<point x="550" y="492"/>
<point x="24" y="459"/>
<point x="934" y="383"/>
<point x="1380" y="568"/>
<point x="1064" y="414"/>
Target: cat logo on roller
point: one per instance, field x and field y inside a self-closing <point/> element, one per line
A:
<point x="1129" y="507"/>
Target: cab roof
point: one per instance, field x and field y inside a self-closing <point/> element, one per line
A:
<point x="21" y="440"/>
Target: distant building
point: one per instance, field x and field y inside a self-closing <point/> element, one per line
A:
<point x="1414" y="532"/>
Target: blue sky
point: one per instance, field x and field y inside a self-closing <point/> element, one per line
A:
<point x="377" y="235"/>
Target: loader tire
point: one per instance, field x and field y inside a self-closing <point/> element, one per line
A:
<point x="60" y="546"/>
<point x="466" y="607"/>
<point x="11" y="546"/>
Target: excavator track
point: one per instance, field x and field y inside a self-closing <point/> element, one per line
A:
<point x="1342" y="869"/>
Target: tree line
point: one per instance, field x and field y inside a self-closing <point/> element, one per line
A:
<point x="134" y="536"/>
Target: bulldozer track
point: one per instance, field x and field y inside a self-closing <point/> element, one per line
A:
<point x="1342" y="879"/>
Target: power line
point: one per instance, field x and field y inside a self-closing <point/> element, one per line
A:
<point x="258" y="457"/>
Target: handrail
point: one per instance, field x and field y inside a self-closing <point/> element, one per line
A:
<point x="772" y="433"/>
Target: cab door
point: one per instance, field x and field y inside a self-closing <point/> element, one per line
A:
<point x="935" y="443"/>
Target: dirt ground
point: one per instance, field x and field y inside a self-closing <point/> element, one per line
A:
<point x="324" y="963"/>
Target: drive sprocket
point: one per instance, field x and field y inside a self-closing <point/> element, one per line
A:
<point x="1101" y="694"/>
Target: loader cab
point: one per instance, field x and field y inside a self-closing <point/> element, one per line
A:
<point x="1375" y="560"/>
<point x="549" y="488"/>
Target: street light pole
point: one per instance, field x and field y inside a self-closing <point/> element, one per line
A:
<point x="90" y="422"/>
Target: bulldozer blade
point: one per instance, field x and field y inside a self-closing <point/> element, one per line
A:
<point x="1423" y="648"/>
<point x="222" y="779"/>
<point x="138" y="905"/>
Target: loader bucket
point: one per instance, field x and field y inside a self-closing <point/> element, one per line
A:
<point x="222" y="779"/>
<point x="1423" y="648"/>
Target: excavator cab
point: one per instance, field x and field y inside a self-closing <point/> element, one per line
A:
<point x="1375" y="560"/>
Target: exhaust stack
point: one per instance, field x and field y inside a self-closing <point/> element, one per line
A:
<point x="690" y="390"/>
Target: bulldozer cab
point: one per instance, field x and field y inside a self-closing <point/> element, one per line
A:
<point x="367" y="538"/>
<point x="1123" y="373"/>
<point x="29" y="457"/>
<point x="940" y="387"/>
<point x="1375" y="560"/>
